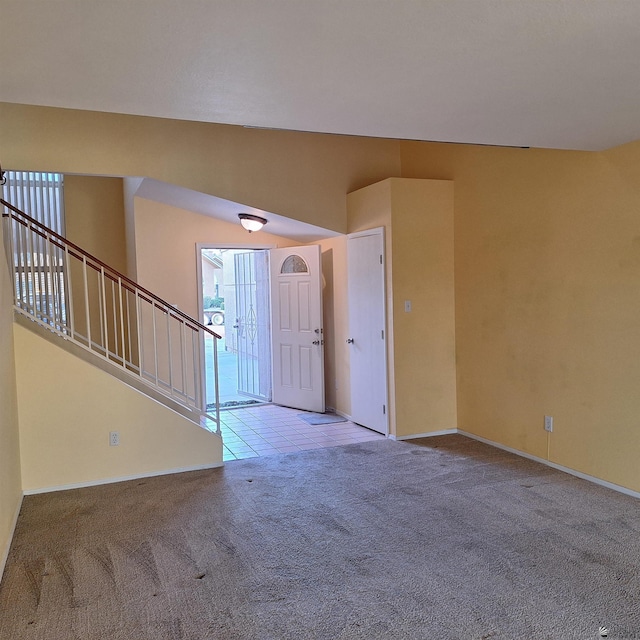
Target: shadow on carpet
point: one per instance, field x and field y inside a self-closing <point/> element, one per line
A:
<point x="442" y="538"/>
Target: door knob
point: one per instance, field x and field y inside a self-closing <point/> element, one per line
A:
<point x="349" y="340"/>
<point x="316" y="342"/>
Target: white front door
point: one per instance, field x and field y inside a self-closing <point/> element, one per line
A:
<point x="296" y="327"/>
<point x="367" y="337"/>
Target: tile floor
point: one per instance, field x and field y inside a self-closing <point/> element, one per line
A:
<point x="269" y="429"/>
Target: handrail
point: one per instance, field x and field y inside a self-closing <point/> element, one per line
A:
<point x="117" y="320"/>
<point x="122" y="277"/>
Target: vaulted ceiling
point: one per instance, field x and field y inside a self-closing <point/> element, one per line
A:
<point x="544" y="73"/>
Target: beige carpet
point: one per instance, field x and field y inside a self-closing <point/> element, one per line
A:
<point x="444" y="538"/>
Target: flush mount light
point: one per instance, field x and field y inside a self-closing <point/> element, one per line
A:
<point x="251" y="222"/>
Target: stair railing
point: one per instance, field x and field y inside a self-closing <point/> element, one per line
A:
<point x="77" y="296"/>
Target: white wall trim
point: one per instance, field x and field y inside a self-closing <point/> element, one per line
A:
<point x="93" y="483"/>
<point x="443" y="432"/>
<point x="553" y="465"/>
<point x="5" y="553"/>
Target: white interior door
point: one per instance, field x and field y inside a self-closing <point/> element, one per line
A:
<point x="296" y="328"/>
<point x="367" y="337"/>
<point x="251" y="273"/>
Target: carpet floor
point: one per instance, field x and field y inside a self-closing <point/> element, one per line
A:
<point x="441" y="538"/>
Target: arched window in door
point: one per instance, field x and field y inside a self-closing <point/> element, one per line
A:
<point x="294" y="264"/>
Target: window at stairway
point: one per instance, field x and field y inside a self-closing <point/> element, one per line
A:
<point x="39" y="263"/>
<point x="39" y="195"/>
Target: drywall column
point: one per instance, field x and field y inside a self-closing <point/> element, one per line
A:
<point x="418" y="219"/>
<point x="130" y="186"/>
<point x="423" y="306"/>
<point x="94" y="217"/>
<point x="95" y="221"/>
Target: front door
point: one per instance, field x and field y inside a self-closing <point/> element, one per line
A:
<point x="296" y="327"/>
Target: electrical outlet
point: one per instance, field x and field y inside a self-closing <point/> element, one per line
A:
<point x="114" y="438"/>
<point x="548" y="424"/>
<point x="407" y="306"/>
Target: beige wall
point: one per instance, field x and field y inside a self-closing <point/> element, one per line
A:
<point x="424" y="339"/>
<point x="547" y="266"/>
<point x="303" y="176"/>
<point x="546" y="255"/>
<point x="10" y="482"/>
<point x="165" y="245"/>
<point x="94" y="217"/>
<point x="65" y="420"/>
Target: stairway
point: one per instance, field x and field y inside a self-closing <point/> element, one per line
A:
<point x="74" y="300"/>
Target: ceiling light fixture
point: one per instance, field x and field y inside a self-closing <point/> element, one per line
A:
<point x="251" y="222"/>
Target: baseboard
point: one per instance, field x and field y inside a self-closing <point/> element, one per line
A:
<point x="94" y="483"/>
<point x="5" y="553"/>
<point x="553" y="465"/>
<point x="444" y="432"/>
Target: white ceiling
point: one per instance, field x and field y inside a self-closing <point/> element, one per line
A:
<point x="544" y="73"/>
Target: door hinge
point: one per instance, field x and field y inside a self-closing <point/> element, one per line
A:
<point x="382" y="332"/>
<point x="384" y="409"/>
<point x="380" y="258"/>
